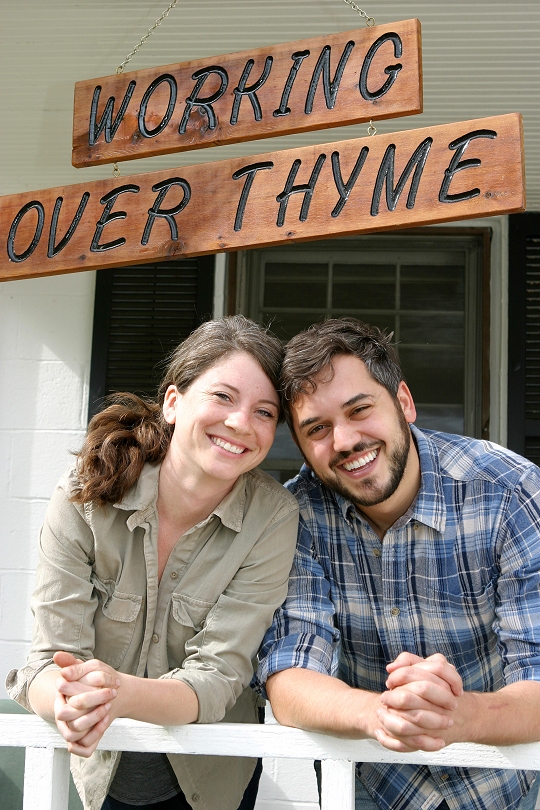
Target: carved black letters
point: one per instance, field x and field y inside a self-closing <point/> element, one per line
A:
<point x="205" y="104"/>
<point x="20" y="257"/>
<point x="106" y="123"/>
<point x="108" y="200"/>
<point x="460" y="144"/>
<point x="166" y="213"/>
<point x="249" y="173"/>
<point x="386" y="174"/>
<point x="392" y="70"/>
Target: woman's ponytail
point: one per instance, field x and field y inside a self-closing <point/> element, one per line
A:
<point x="120" y="440"/>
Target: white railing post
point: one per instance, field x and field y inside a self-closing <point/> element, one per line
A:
<point x="46" y="779"/>
<point x="337" y="784"/>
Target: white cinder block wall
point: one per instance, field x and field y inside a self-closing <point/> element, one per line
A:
<point x="45" y="345"/>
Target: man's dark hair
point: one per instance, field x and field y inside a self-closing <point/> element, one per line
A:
<point x="310" y="352"/>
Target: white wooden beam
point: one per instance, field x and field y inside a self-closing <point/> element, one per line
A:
<point x="46" y="779"/>
<point x="337" y="784"/>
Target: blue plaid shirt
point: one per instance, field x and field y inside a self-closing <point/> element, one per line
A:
<point x="458" y="574"/>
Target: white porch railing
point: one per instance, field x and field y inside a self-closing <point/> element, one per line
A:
<point x="46" y="775"/>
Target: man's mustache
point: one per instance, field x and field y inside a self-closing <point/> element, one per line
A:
<point x="343" y="455"/>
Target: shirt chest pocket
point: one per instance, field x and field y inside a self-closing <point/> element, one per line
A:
<point x="190" y="613"/>
<point x="114" y="621"/>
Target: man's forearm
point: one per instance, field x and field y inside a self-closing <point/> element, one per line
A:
<point x="507" y="717"/>
<point x="316" y="702"/>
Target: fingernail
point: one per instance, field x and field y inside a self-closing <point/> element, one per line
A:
<point x="114" y="692"/>
<point x="107" y="707"/>
<point x="450" y="722"/>
<point x="118" y="682"/>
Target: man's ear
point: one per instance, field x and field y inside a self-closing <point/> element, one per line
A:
<point x="172" y="396"/>
<point x="404" y="397"/>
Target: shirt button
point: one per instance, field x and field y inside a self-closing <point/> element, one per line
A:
<point x="395" y="611"/>
<point x="195" y="797"/>
<point x="415" y="526"/>
<point x="444" y="776"/>
<point x="155" y="638"/>
<point x="174" y="574"/>
<point x="377" y="552"/>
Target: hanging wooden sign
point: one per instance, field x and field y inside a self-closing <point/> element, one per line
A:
<point x="437" y="174"/>
<point x="327" y="81"/>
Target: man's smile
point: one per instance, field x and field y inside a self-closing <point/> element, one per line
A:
<point x="357" y="463"/>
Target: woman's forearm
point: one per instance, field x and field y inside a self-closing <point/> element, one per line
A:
<point x="42" y="693"/>
<point x="165" y="702"/>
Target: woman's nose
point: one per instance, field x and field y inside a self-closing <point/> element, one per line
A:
<point x="239" y="420"/>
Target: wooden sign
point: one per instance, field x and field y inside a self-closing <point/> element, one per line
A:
<point x="306" y="85"/>
<point x="437" y="174"/>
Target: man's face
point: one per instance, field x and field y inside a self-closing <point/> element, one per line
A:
<point x="354" y="435"/>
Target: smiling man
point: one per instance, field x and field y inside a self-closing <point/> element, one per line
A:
<point x="416" y="581"/>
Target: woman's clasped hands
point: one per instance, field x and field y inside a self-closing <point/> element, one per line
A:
<point x="421" y="705"/>
<point x="84" y="705"/>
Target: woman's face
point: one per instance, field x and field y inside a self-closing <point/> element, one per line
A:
<point x="226" y="420"/>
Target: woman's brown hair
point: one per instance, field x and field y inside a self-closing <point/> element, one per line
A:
<point x="131" y="431"/>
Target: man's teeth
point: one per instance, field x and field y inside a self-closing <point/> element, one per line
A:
<point x="232" y="448"/>
<point x="360" y="462"/>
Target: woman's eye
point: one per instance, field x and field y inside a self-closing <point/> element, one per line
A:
<point x="267" y="414"/>
<point x="222" y="395"/>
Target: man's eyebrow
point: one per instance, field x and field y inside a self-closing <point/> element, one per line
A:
<point x="352" y="401"/>
<point x="355" y="399"/>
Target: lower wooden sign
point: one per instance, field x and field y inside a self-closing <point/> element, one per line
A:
<point x="437" y="174"/>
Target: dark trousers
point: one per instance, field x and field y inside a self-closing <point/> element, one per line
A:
<point x="179" y="802"/>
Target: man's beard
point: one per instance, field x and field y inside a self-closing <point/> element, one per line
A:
<point x="373" y="493"/>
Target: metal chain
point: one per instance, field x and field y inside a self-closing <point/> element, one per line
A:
<point x="372" y="129"/>
<point x="120" y="68"/>
<point x="369" y="20"/>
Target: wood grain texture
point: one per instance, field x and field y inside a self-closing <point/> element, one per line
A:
<point x="446" y="173"/>
<point x="242" y="739"/>
<point x="157" y="105"/>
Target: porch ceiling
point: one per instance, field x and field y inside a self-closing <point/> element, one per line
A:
<point x="481" y="58"/>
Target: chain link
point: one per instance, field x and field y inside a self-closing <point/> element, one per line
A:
<point x="369" y="20"/>
<point x="372" y="129"/>
<point x="120" y="68"/>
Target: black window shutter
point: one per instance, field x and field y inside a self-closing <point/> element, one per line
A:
<point x="524" y="335"/>
<point x="141" y="314"/>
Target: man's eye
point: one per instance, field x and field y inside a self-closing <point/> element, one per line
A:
<point x="316" y="429"/>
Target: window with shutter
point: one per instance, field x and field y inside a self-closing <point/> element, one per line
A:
<point x="524" y="335"/>
<point x="140" y="314"/>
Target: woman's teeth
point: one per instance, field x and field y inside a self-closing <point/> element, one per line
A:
<point x="361" y="462"/>
<point x="232" y="448"/>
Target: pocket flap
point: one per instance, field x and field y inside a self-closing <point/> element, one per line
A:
<point x="122" y="607"/>
<point x="190" y="612"/>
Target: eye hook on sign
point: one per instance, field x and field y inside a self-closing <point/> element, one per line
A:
<point x="369" y="20"/>
<point x="372" y="129"/>
<point x="120" y="68"/>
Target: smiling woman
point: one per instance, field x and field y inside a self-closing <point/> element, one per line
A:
<point x="163" y="556"/>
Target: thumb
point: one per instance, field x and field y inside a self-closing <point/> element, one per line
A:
<point x="65" y="659"/>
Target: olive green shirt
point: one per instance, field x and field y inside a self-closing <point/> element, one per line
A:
<point x="98" y="596"/>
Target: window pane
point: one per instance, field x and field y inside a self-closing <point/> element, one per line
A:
<point x="431" y="288"/>
<point x="295" y="285"/>
<point x="361" y="285"/>
<point x="434" y="374"/>
<point x="286" y="325"/>
<point x="435" y="329"/>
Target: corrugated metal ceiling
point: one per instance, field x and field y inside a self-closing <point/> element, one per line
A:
<point x="480" y="58"/>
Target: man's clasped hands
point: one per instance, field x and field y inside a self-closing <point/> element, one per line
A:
<point x="420" y="710"/>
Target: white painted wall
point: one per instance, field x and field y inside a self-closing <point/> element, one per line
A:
<point x="45" y="344"/>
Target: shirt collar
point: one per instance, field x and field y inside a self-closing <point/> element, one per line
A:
<point x="429" y="506"/>
<point x="142" y="498"/>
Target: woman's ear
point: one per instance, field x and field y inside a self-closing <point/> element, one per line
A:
<point x="172" y="396"/>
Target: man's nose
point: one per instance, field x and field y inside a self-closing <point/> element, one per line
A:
<point x="345" y="437"/>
